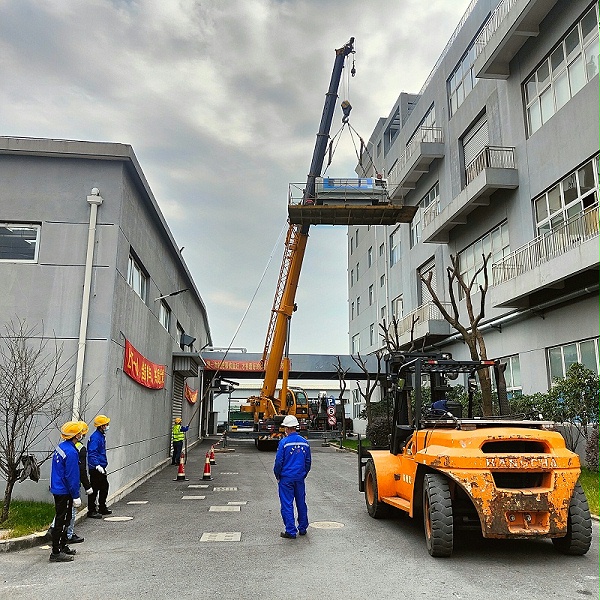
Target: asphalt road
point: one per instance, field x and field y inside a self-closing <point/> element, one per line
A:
<point x="169" y="547"/>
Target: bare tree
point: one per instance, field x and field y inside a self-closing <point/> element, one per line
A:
<point x="341" y="373"/>
<point x="471" y="334"/>
<point x="36" y="389"/>
<point x="370" y="383"/>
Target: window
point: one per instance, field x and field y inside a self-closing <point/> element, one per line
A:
<point x="395" y="247"/>
<point x="425" y="129"/>
<point x="351" y="277"/>
<point x="398" y="307"/>
<point x="352" y="311"/>
<point x="568" y="198"/>
<point x="356" y="238"/>
<point x="462" y="80"/>
<point x="137" y="278"/>
<point x="180" y="334"/>
<point x="164" y="315"/>
<point x="371" y="334"/>
<point x="358" y="306"/>
<point x="563" y="72"/>
<point x="389" y="137"/>
<point x="471" y="258"/>
<point x="370" y="295"/>
<point x="370" y="257"/>
<point x="512" y="375"/>
<point x="415" y="226"/>
<point x="382" y="281"/>
<point x="357" y="271"/>
<point x="351" y="245"/>
<point x="382" y="313"/>
<point x="560" y="358"/>
<point x="381" y="250"/>
<point x="18" y="242"/>
<point x="356" y="344"/>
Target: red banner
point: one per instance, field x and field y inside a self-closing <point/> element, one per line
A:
<point x="190" y="395"/>
<point x="143" y="371"/>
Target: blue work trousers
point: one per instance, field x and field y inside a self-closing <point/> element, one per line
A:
<point x="291" y="490"/>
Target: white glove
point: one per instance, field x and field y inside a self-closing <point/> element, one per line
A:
<point x="77" y="502"/>
<point x="100" y="469"/>
<point x="90" y="491"/>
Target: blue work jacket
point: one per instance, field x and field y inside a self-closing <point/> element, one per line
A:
<point x="64" y="476"/>
<point x="293" y="459"/>
<point x="96" y="450"/>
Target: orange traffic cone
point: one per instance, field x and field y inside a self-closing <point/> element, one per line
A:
<point x="181" y="469"/>
<point x="212" y="456"/>
<point x="207" y="476"/>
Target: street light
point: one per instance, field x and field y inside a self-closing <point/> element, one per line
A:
<point x="171" y="294"/>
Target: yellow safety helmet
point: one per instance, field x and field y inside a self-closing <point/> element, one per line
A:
<point x="178" y="420"/>
<point x="84" y="427"/>
<point x="70" y="429"/>
<point x="101" y="420"/>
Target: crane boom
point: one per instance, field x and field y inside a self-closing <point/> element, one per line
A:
<point x="278" y="332"/>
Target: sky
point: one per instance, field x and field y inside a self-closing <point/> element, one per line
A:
<point x="221" y="101"/>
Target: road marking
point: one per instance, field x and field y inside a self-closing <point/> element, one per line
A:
<point x="326" y="525"/>
<point x="241" y="503"/>
<point x="224" y="509"/>
<point x="193" y="497"/>
<point x="138" y="502"/>
<point x="226" y="536"/>
<point x="118" y="518"/>
<point x="224" y="489"/>
<point x="225" y="473"/>
<point x="198" y="485"/>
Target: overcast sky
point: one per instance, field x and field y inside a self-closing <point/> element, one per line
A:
<point x="221" y="101"/>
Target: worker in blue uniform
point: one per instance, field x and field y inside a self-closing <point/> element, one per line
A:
<point x="97" y="463"/>
<point x="292" y="464"/>
<point x="64" y="486"/>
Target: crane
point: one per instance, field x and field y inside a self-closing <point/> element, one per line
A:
<point x="267" y="408"/>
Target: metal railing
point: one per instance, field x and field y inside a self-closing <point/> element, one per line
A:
<point x="544" y="248"/>
<point x="431" y="212"/>
<point x="423" y="134"/>
<point x="500" y="13"/>
<point x="424" y="313"/>
<point x="494" y="157"/>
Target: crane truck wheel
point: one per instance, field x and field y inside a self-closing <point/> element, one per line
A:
<point x="579" y="526"/>
<point x="437" y="515"/>
<point x="375" y="508"/>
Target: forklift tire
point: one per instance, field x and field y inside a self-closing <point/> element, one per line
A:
<point x="579" y="526"/>
<point x="437" y="515"/>
<point x="375" y="508"/>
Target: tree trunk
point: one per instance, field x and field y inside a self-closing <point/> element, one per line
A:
<point x="10" y="484"/>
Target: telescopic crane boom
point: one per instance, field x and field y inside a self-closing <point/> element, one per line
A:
<point x="275" y="354"/>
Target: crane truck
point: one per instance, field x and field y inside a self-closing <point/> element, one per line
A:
<point x="508" y="477"/>
<point x="270" y="407"/>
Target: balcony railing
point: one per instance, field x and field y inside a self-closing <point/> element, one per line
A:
<point x="548" y="246"/>
<point x="491" y="157"/>
<point x="431" y="212"/>
<point x="433" y="135"/>
<point x="500" y="13"/>
<point x="424" y="313"/>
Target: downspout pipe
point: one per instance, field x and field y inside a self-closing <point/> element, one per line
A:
<point x="94" y="200"/>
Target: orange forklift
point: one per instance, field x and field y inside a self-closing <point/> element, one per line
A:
<point x="509" y="476"/>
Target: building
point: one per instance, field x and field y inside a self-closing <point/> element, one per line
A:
<point x="85" y="251"/>
<point x="499" y="151"/>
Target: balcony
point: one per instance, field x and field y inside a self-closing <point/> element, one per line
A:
<point x="491" y="170"/>
<point x="428" y="323"/>
<point x="424" y="147"/>
<point x="566" y="258"/>
<point x="505" y="32"/>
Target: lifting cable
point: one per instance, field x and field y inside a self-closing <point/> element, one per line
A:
<point x="207" y="389"/>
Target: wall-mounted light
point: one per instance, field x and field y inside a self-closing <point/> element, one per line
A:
<point x="171" y="294"/>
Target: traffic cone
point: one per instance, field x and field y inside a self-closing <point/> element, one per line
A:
<point x="207" y="476"/>
<point x="181" y="469"/>
<point x="212" y="456"/>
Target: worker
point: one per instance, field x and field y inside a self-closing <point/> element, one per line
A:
<point x="292" y="464"/>
<point x="64" y="486"/>
<point x="72" y="537"/>
<point x="97" y="463"/>
<point x="178" y="437"/>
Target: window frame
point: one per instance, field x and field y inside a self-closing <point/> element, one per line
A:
<point x="136" y="270"/>
<point x="24" y="227"/>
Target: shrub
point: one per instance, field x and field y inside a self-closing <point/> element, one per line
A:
<point x="378" y="432"/>
<point x="591" y="450"/>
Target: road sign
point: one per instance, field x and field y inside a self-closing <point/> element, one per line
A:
<point x="331" y="420"/>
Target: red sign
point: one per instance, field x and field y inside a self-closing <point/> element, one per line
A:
<point x="143" y="371"/>
<point x="190" y="395"/>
